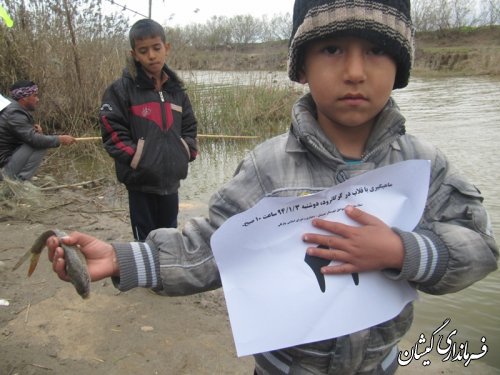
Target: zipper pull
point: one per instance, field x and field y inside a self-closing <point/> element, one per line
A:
<point x="161" y="97"/>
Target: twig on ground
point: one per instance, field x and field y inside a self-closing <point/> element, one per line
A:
<point x="40" y="366"/>
<point x="56" y="206"/>
<point x="27" y="313"/>
<point x="110" y="211"/>
<point x="73" y="185"/>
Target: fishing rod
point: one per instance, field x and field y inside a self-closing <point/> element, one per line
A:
<point x="218" y="136"/>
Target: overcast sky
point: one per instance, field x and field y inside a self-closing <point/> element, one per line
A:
<point x="183" y="12"/>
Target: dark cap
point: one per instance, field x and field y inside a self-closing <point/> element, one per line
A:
<point x="386" y="23"/>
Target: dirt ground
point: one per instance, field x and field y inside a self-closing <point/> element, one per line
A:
<point x="48" y="329"/>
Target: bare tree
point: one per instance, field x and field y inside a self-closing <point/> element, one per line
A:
<point x="244" y="29"/>
<point x="69" y="13"/>
<point x="279" y="27"/>
<point x="490" y="14"/>
<point x="462" y="13"/>
<point x="422" y="14"/>
<point x="431" y="15"/>
<point x="216" y="32"/>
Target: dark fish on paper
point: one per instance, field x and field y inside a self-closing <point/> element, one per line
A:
<point x="317" y="263"/>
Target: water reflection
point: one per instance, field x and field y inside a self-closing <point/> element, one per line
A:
<point x="461" y="117"/>
<point x="216" y="163"/>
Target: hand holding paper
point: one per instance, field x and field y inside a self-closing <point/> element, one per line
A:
<point x="272" y="292"/>
<point x="372" y="246"/>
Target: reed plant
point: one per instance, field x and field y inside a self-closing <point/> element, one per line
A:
<point x="257" y="108"/>
<point x="253" y="108"/>
<point x="249" y="107"/>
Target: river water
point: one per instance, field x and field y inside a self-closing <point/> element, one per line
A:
<point x="459" y="115"/>
<point x="462" y="117"/>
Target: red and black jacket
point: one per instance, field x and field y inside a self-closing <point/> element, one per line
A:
<point x="151" y="135"/>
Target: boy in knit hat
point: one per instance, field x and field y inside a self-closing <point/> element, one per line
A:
<point x="351" y="53"/>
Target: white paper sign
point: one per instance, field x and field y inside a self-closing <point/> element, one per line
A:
<point x="275" y="299"/>
<point x="4" y="102"/>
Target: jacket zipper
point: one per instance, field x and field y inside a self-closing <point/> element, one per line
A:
<point x="163" y="115"/>
<point x="387" y="142"/>
<point x="164" y="127"/>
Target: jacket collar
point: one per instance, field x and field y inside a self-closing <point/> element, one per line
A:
<point x="306" y="134"/>
<point x="134" y="71"/>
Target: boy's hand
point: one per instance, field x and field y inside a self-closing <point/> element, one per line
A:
<point x="100" y="256"/>
<point x="369" y="247"/>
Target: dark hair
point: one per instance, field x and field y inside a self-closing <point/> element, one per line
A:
<point x="145" y="28"/>
<point x="22" y="83"/>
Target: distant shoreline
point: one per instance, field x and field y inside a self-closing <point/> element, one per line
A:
<point x="470" y="52"/>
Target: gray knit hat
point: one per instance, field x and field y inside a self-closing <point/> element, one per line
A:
<point x="386" y="23"/>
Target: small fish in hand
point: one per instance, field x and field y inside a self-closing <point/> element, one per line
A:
<point x="76" y="266"/>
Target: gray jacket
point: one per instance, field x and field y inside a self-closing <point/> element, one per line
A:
<point x="16" y="128"/>
<point x="451" y="248"/>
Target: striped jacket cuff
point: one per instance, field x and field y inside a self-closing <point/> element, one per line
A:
<point x="139" y="266"/>
<point x="426" y="257"/>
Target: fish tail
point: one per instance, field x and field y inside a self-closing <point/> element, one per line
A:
<point x="33" y="263"/>
<point x="22" y="260"/>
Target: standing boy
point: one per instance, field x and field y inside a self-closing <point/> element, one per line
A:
<point x="352" y="53"/>
<point x="22" y="142"/>
<point x="149" y="128"/>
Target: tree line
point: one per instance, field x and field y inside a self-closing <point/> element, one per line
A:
<point x="428" y="15"/>
<point x="240" y="29"/>
<point x="432" y="15"/>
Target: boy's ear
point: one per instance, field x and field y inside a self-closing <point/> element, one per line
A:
<point x="167" y="48"/>
<point x="132" y="53"/>
<point x="302" y="76"/>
